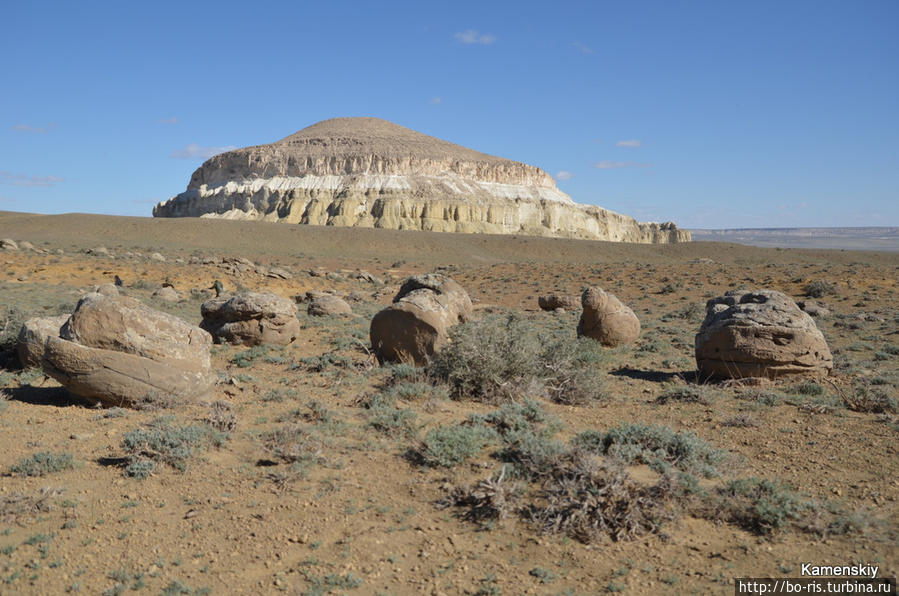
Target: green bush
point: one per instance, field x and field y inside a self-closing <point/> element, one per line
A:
<point x="499" y="358"/>
<point x="658" y="446"/>
<point x="448" y="446"/>
<point x="43" y="463"/>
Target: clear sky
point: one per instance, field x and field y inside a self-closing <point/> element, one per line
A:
<point x="711" y="114"/>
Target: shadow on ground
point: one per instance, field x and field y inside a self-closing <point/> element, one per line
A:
<point x="656" y="376"/>
<point x="47" y="396"/>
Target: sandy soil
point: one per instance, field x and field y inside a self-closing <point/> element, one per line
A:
<point x="361" y="518"/>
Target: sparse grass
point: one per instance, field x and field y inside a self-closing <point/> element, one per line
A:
<point x="292" y="443"/>
<point x="700" y="394"/>
<point x="872" y="399"/>
<point x="318" y="585"/>
<point x="17" y="505"/>
<point x="392" y="421"/>
<point x="658" y="446"/>
<point x="221" y="417"/>
<point x="247" y="358"/>
<point x="758" y="505"/>
<point x="43" y="463"/>
<point x="163" y="441"/>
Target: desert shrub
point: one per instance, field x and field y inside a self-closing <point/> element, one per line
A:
<point x="809" y="388"/>
<point x="589" y="501"/>
<point x="246" y="358"/>
<point x="688" y="312"/>
<point x="16" y="505"/>
<point x="758" y="505"/>
<point x="221" y="417"/>
<point x="741" y="420"/>
<point x="43" y="463"/>
<point x="163" y="441"/>
<point x="819" y="288"/>
<point x="515" y="419"/>
<point x="658" y="446"/>
<point x="498" y="358"/>
<point x="392" y="421"/>
<point x="868" y="398"/>
<point x="699" y="394"/>
<point x="11" y="320"/>
<point x="323" y="363"/>
<point x="405" y="391"/>
<point x="153" y="400"/>
<point x="763" y="396"/>
<point x="447" y="446"/>
<point x="489" y="500"/>
<point x="292" y="443"/>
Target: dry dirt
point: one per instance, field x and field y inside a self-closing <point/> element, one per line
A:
<point x="361" y="518"/>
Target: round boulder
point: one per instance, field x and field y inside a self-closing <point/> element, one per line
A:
<point x="167" y="294"/>
<point x="760" y="333"/>
<point x="118" y="351"/>
<point x="606" y="319"/>
<point x="417" y="324"/>
<point x="321" y="305"/>
<point x="33" y="338"/>
<point x="251" y="319"/>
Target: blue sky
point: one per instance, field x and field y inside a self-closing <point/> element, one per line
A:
<point x="711" y="114"/>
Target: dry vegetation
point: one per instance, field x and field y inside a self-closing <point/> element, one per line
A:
<point x="521" y="461"/>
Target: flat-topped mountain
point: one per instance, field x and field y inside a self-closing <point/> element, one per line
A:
<point x="368" y="172"/>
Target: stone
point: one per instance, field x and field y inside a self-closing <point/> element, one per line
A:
<point x="760" y="333"/>
<point x="564" y="302"/>
<point x="606" y="319"/>
<point x="118" y="351"/>
<point x="367" y="172"/>
<point x="167" y="294"/>
<point x="25" y="245"/>
<point x="107" y="289"/>
<point x="815" y="309"/>
<point x="416" y="325"/>
<point x="33" y="337"/>
<point x="100" y="251"/>
<point x="328" y="305"/>
<point x="155" y="256"/>
<point x="279" y="273"/>
<point x="8" y="244"/>
<point x="251" y="319"/>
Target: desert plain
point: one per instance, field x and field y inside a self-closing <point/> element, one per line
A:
<point x="357" y="507"/>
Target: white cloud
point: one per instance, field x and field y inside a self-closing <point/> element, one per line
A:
<point x="564" y="175"/>
<point x="629" y="143"/>
<point x="194" y="151"/>
<point x="436" y="100"/>
<point x="583" y="48"/>
<point x="171" y="120"/>
<point x="611" y="165"/>
<point x="34" y="129"/>
<point x="25" y="180"/>
<point x="472" y="37"/>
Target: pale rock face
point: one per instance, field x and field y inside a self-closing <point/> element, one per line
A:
<point x="366" y="172"/>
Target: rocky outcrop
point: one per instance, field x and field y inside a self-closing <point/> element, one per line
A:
<point x="115" y="350"/>
<point x="417" y="324"/>
<point x="759" y="333"/>
<point x="251" y="319"/>
<point x="606" y="319"/>
<point x="368" y="172"/>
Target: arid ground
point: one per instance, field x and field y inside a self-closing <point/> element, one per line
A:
<point x="356" y="506"/>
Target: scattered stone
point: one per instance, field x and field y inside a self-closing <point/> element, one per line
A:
<point x="563" y="302"/>
<point x="417" y="324"/>
<point x="279" y="273"/>
<point x="815" y="309"/>
<point x="366" y="276"/>
<point x="328" y="305"/>
<point x="107" y="289"/>
<point x="33" y="337"/>
<point x="251" y="319"/>
<point x="25" y="245"/>
<point x="115" y="350"/>
<point x="760" y="333"/>
<point x="606" y="319"/>
<point x="155" y="256"/>
<point x="167" y="294"/>
<point x="100" y="251"/>
<point x="356" y="297"/>
<point x="8" y="244"/>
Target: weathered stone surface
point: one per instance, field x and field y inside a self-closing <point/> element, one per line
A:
<point x="417" y="324"/>
<point x="33" y="337"/>
<point x="8" y="244"/>
<point x="368" y="172"/>
<point x="555" y="301"/>
<point x="815" y="309"/>
<point x="251" y="319"/>
<point x="759" y="333"/>
<point x="606" y="319"/>
<point x="167" y="294"/>
<point x="118" y="351"/>
<point x="328" y="304"/>
<point x="107" y="290"/>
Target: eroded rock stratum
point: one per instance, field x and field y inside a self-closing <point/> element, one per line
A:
<point x="367" y="172"/>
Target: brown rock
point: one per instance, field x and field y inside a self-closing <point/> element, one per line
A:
<point x="167" y="294"/>
<point x="328" y="304"/>
<point x="417" y="324"/>
<point x="606" y="319"/>
<point x="759" y="333"/>
<point x="33" y="338"/>
<point x="251" y="319"/>
<point x="118" y="351"/>
<point x="555" y="301"/>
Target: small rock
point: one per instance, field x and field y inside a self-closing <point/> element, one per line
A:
<point x="155" y="256"/>
<point x="8" y="244"/>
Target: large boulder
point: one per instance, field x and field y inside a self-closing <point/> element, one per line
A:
<point x="759" y="333"/>
<point x="33" y="338"/>
<point x="251" y="319"/>
<point x="606" y="319"/>
<point x="115" y="350"/>
<point x="417" y="324"/>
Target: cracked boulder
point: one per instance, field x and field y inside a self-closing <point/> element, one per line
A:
<point x="760" y="333"/>
<point x="251" y="319"/>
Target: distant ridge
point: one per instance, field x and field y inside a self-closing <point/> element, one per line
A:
<point x="848" y="238"/>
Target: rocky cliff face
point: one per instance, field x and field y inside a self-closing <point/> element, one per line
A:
<point x="370" y="173"/>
